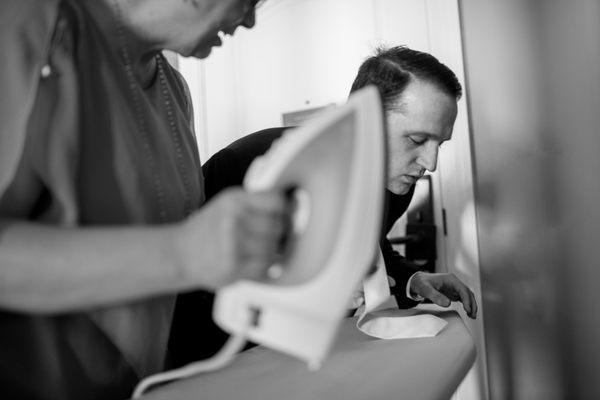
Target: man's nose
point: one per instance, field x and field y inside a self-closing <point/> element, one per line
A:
<point x="428" y="157"/>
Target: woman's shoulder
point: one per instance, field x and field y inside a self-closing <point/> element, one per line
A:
<point x="23" y="21"/>
<point x="26" y="30"/>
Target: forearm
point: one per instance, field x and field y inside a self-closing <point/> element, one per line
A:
<point x="48" y="269"/>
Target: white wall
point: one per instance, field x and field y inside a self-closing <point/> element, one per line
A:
<point x="300" y="54"/>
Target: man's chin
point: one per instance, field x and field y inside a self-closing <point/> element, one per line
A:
<point x="398" y="189"/>
<point x="201" y="52"/>
<point x="204" y="48"/>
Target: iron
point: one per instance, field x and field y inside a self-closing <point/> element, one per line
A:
<point x="335" y="167"/>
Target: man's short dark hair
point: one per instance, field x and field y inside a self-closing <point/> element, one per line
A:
<point x="391" y="70"/>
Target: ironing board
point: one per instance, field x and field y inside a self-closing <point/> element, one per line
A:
<point x="359" y="367"/>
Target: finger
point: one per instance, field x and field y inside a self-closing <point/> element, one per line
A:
<point x="261" y="225"/>
<point x="272" y="212"/>
<point x="258" y="247"/>
<point x="391" y="281"/>
<point x="254" y="269"/>
<point x="358" y="299"/>
<point x="473" y="306"/>
<point x="273" y="203"/>
<point x="277" y="231"/>
<point x="256" y="256"/>
<point x="464" y="293"/>
<point x="447" y="284"/>
<point x="432" y="294"/>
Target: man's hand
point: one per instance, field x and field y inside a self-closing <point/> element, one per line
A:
<point x="442" y="288"/>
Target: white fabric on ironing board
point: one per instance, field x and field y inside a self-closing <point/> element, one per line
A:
<point x="380" y="317"/>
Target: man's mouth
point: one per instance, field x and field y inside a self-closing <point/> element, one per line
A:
<point x="217" y="39"/>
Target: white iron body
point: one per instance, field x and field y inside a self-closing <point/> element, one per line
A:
<point x="337" y="163"/>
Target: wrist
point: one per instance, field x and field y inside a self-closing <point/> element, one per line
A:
<point x="195" y="257"/>
<point x="410" y="293"/>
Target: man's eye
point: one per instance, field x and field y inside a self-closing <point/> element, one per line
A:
<point x="417" y="140"/>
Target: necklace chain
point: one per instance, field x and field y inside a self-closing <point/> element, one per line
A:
<point x="141" y="122"/>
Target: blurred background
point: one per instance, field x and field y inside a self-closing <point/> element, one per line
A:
<point x="515" y="199"/>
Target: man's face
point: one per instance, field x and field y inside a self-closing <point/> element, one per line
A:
<point x="195" y="24"/>
<point x="420" y="122"/>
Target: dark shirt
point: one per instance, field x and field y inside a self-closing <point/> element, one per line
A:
<point x="194" y="335"/>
